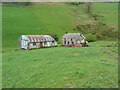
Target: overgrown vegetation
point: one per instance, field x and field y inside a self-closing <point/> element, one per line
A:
<point x="98" y="31"/>
<point x="28" y="3"/>
<point x="90" y="37"/>
<point x="95" y="28"/>
<point x="76" y="3"/>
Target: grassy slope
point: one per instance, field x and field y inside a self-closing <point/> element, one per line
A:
<point x="109" y="12"/>
<point x="59" y="67"/>
<point x="39" y="20"/>
<point x="101" y="43"/>
<point x="43" y="19"/>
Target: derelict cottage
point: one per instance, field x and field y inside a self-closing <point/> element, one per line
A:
<point x="74" y="40"/>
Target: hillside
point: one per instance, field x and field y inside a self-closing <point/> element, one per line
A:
<point x="46" y="19"/>
<point x="95" y="66"/>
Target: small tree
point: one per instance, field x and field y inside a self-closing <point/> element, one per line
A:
<point x="90" y="37"/>
<point x="28" y="3"/>
<point x="76" y="3"/>
<point x="54" y="36"/>
<point x="88" y="7"/>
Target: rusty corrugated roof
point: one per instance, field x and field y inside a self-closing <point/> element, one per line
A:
<point x="39" y="38"/>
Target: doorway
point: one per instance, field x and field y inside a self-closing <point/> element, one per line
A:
<point x="41" y="45"/>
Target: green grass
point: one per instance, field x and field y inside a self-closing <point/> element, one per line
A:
<point x="0" y="68"/>
<point x="98" y="43"/>
<point x="112" y="51"/>
<point x="59" y="67"/>
<point x="109" y="12"/>
<point x="41" y="19"/>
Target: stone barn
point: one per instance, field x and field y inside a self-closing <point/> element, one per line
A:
<point x="36" y="41"/>
<point x="74" y="40"/>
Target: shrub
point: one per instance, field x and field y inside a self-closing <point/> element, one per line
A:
<point x="54" y="36"/>
<point x="90" y="37"/>
<point x="76" y="3"/>
<point x="101" y="31"/>
<point x="28" y="3"/>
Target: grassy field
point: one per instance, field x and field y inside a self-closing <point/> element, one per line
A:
<point x="98" y="43"/>
<point x="81" y="67"/>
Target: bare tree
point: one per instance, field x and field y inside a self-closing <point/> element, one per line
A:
<point x="88" y="7"/>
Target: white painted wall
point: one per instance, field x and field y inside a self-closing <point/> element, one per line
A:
<point x="31" y="46"/>
<point x="38" y="45"/>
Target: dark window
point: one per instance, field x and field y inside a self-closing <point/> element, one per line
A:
<point x="53" y="42"/>
<point x="72" y="42"/>
<point x="71" y="39"/>
<point x="34" y="44"/>
<point x="45" y="42"/>
<point x="68" y="42"/>
<point x="64" y="42"/>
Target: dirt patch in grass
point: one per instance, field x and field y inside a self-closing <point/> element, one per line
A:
<point x="103" y="14"/>
<point x="76" y="54"/>
<point x="109" y="55"/>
